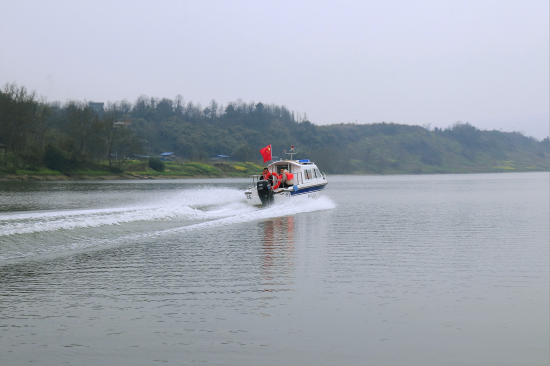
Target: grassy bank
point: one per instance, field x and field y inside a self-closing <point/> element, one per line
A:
<point x="137" y="170"/>
<point x="195" y="169"/>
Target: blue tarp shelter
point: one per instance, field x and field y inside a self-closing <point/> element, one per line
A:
<point x="220" y="157"/>
<point x="164" y="156"/>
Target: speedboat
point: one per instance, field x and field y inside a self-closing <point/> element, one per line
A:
<point x="309" y="181"/>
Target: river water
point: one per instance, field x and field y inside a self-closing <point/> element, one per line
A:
<point x="380" y="270"/>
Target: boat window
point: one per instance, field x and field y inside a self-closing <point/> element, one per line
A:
<point x="308" y="174"/>
<point x="278" y="168"/>
<point x="315" y="173"/>
<point x="318" y="173"/>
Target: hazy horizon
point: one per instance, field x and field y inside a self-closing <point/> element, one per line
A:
<point x="417" y="63"/>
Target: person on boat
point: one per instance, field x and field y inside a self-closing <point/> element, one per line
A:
<point x="267" y="175"/>
<point x="286" y="179"/>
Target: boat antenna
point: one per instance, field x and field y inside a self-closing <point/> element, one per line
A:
<point x="292" y="152"/>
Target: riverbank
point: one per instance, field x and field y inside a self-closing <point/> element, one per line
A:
<point x="122" y="176"/>
<point x="136" y="170"/>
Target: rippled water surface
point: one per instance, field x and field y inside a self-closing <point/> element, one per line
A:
<point x="381" y="270"/>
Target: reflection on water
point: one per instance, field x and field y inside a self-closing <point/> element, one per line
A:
<point x="278" y="249"/>
<point x="411" y="270"/>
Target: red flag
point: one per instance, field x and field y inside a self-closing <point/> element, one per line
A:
<point x="266" y="153"/>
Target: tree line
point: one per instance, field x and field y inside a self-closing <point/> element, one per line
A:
<point x="35" y="133"/>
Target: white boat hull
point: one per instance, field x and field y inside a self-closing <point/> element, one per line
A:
<point x="300" y="192"/>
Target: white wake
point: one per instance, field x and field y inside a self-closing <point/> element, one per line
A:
<point x="36" y="233"/>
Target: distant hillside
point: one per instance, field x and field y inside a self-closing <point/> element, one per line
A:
<point x="240" y="130"/>
<point x="69" y="137"/>
<point x="390" y="148"/>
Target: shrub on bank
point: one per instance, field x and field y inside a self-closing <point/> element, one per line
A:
<point x="156" y="164"/>
<point x="54" y="158"/>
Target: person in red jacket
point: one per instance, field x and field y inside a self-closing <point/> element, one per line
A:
<point x="267" y="175"/>
<point x="285" y="179"/>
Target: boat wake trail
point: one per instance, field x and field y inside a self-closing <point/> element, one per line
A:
<point x="188" y="205"/>
<point x="24" y="235"/>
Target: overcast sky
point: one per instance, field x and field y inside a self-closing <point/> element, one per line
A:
<point x="413" y="62"/>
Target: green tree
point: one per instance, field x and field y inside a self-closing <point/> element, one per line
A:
<point x="156" y="164"/>
<point x="55" y="159"/>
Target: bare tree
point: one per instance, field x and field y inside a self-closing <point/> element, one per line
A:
<point x="119" y="140"/>
<point x="83" y="123"/>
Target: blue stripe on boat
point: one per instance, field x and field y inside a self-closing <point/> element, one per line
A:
<point x="308" y="190"/>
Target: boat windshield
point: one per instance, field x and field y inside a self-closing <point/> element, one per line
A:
<point x="278" y="168"/>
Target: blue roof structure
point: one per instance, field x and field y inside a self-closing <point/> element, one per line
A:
<point x="222" y="156"/>
<point x="166" y="154"/>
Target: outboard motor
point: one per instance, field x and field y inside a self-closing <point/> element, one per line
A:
<point x="264" y="192"/>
